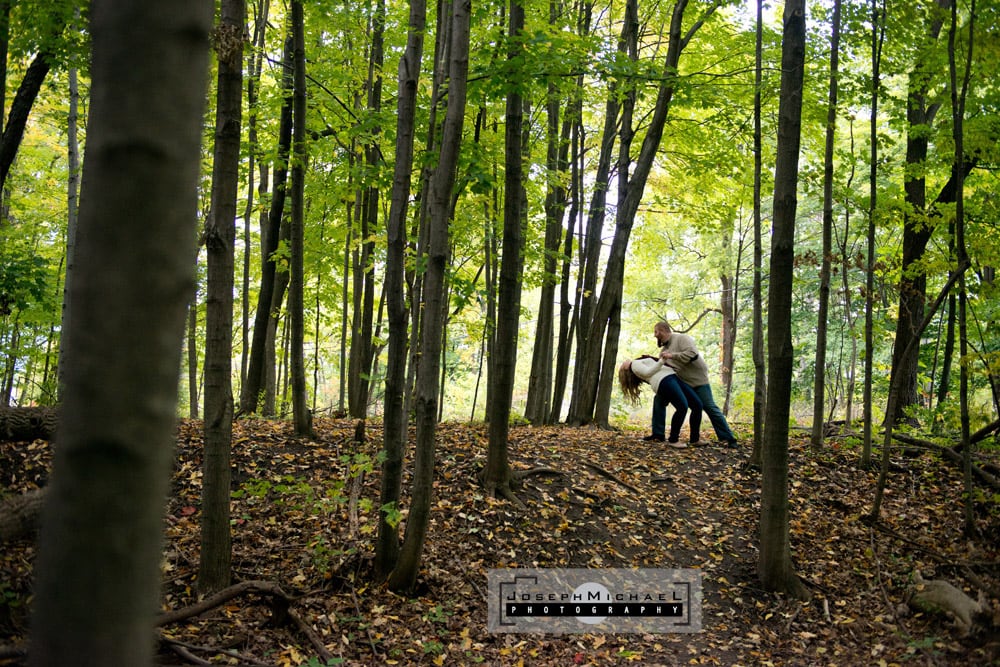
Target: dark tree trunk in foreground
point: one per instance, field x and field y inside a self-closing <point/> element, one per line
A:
<point x="98" y="568"/>
<point x="775" y="566"/>
<point x="220" y="236"/>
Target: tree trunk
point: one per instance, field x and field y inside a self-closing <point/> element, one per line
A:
<point x="630" y="190"/>
<point x="757" y="349"/>
<point x="98" y="567"/>
<point x="944" y="381"/>
<point x="917" y="221"/>
<point x="258" y="362"/>
<point x="727" y="303"/>
<point x="73" y="182"/>
<point x="404" y="576"/>
<point x="296" y="288"/>
<point x="192" y="357"/>
<point x="497" y="476"/>
<point x="579" y="411"/>
<point x="878" y="35"/>
<point x="394" y="418"/>
<point x="819" y="384"/>
<point x="20" y="109"/>
<point x="775" y="565"/>
<point x="363" y="347"/>
<point x="959" y="92"/>
<point x="538" y="407"/>
<point x="214" y="571"/>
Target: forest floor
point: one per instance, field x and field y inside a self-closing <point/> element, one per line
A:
<point x="304" y="517"/>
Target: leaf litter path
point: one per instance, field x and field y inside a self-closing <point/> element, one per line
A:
<point x="304" y="516"/>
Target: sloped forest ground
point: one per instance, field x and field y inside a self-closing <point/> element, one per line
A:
<point x="304" y="515"/>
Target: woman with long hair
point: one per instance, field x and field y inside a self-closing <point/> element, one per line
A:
<point x="633" y="373"/>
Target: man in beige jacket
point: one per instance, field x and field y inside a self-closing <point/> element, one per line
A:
<point x="679" y="351"/>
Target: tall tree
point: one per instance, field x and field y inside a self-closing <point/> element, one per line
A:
<point x="20" y="109"/>
<point x="600" y="343"/>
<point x="757" y="350"/>
<point x="538" y="405"/>
<point x="394" y="417"/>
<point x="567" y="314"/>
<point x="919" y="221"/>
<point x="590" y="253"/>
<point x="362" y="345"/>
<point x="296" y="288"/>
<point x="819" y="386"/>
<point x="260" y="361"/>
<point x="775" y="565"/>
<point x="959" y="94"/>
<point x="497" y="475"/>
<point x="98" y="568"/>
<point x="220" y="236"/>
<point x="404" y="576"/>
<point x="878" y="16"/>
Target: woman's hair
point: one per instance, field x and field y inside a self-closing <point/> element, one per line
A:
<point x="630" y="384"/>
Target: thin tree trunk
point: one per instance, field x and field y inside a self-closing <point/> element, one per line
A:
<point x="878" y="34"/>
<point x="921" y="109"/>
<point x="757" y="349"/>
<point x="258" y="364"/>
<point x="538" y="407"/>
<point x="497" y="475"/>
<point x="192" y="357"/>
<point x="296" y="288"/>
<point x="775" y="564"/>
<point x="404" y="576"/>
<point x="73" y="183"/>
<point x="214" y="572"/>
<point x="819" y="384"/>
<point x="959" y="93"/>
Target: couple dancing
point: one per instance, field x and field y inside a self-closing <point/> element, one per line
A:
<point x="679" y="376"/>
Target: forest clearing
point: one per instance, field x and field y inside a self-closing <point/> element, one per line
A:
<point x="303" y="521"/>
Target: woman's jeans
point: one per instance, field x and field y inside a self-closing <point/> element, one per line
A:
<point x="704" y="393"/>
<point x="682" y="397"/>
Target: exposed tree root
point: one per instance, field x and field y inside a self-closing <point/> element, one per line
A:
<point x="280" y="607"/>
<point x="614" y="478"/>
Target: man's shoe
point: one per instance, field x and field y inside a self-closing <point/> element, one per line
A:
<point x="677" y="445"/>
<point x="696" y="443"/>
<point x="654" y="438"/>
<point x="731" y="444"/>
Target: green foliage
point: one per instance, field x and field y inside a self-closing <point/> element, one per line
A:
<point x="24" y="283"/>
<point x="694" y="225"/>
<point x="315" y="662"/>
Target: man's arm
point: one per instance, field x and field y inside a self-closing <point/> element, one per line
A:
<point x="680" y="351"/>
